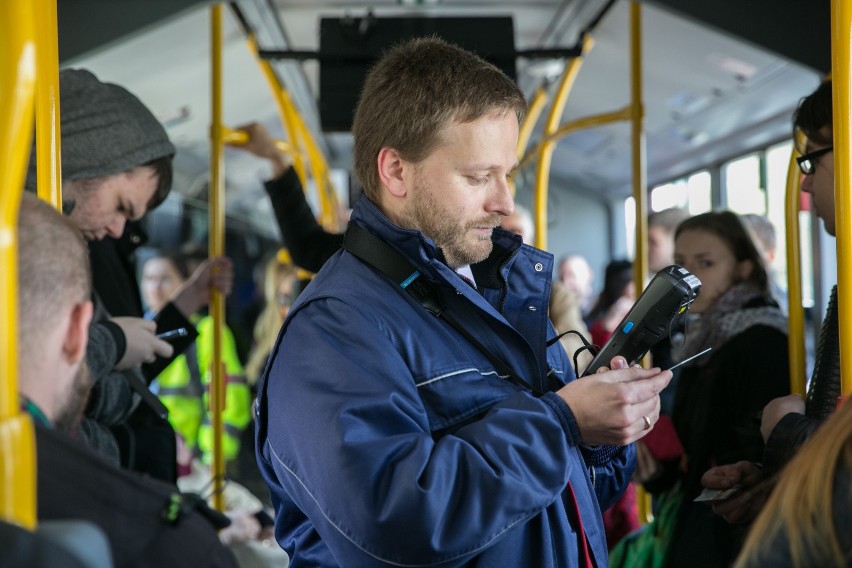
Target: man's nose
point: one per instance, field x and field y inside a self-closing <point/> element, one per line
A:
<point x="501" y="200"/>
<point x="116" y="228"/>
<point x="806" y="184"/>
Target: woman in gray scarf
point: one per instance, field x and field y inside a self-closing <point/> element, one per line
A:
<point x="719" y="398"/>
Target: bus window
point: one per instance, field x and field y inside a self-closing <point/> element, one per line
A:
<point x="669" y="195"/>
<point x="777" y="164"/>
<point x="743" y="190"/>
<point x="692" y="193"/>
<point x="699" y="188"/>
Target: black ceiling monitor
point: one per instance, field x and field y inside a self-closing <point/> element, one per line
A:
<point x="349" y="46"/>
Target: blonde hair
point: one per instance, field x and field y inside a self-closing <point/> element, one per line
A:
<point x="269" y="322"/>
<point x="802" y="506"/>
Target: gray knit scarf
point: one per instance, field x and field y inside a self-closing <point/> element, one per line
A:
<point x="725" y="319"/>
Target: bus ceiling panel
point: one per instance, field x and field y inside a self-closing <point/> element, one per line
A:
<point x="89" y="25"/>
<point x="800" y="31"/>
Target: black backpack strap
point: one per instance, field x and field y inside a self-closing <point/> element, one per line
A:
<point x="373" y="251"/>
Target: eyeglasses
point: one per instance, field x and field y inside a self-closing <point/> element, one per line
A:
<point x="807" y="163"/>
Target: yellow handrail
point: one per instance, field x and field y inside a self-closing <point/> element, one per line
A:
<point x="796" y="320"/>
<point x="573" y="126"/>
<point x="542" y="174"/>
<point x="49" y="161"/>
<point x="17" y="106"/>
<point x="285" y="110"/>
<point x="319" y="172"/>
<point x="217" y="248"/>
<point x="233" y="136"/>
<point x="640" y="195"/>
<point x="637" y="135"/>
<point x="841" y="20"/>
<point x="537" y="105"/>
<point x="300" y="134"/>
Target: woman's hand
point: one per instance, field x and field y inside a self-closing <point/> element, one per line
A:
<point x="215" y="273"/>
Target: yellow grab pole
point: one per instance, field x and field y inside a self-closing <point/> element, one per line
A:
<point x="299" y="134"/>
<point x="232" y="136"/>
<point x="217" y="248"/>
<point x="49" y="162"/>
<point x="796" y="321"/>
<point x="319" y="171"/>
<point x="537" y="105"/>
<point x="17" y="107"/>
<point x="573" y="126"/>
<point x="542" y="173"/>
<point x="285" y="109"/>
<point x="637" y="134"/>
<point x="841" y="19"/>
<point x="640" y="195"/>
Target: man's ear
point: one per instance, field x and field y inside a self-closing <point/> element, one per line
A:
<point x="391" y="169"/>
<point x="77" y="334"/>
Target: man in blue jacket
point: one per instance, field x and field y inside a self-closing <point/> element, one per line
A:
<point x="414" y="411"/>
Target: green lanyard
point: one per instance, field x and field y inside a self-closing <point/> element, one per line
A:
<point x="34" y="411"/>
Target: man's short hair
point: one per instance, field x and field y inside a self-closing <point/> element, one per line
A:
<point x="53" y="270"/>
<point x="413" y="92"/>
<point x="668" y="219"/>
<point x="813" y="114"/>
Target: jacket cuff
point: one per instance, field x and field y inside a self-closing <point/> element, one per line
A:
<point x="282" y="185"/>
<point x="564" y="416"/>
<point x="789" y="434"/>
<point x="599" y="455"/>
<point x="118" y="337"/>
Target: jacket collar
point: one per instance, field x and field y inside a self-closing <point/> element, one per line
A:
<point x="423" y="252"/>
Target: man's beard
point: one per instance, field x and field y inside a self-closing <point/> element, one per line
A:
<point x="428" y="215"/>
<point x="70" y="413"/>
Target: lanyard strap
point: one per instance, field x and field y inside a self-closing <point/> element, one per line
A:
<point x="374" y="252"/>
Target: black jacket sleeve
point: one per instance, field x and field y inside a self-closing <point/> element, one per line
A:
<point x="785" y="439"/>
<point x="309" y="244"/>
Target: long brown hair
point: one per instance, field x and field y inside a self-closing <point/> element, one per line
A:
<point x="801" y="509"/>
<point x="813" y="114"/>
<point x="728" y="227"/>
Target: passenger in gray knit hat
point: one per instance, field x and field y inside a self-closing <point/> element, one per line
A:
<point x="116" y="166"/>
<point x="116" y="156"/>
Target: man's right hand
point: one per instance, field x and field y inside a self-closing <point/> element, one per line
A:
<point x="616" y="406"/>
<point x="744" y="506"/>
<point x="142" y="343"/>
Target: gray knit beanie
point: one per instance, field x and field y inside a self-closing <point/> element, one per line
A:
<point x="105" y="129"/>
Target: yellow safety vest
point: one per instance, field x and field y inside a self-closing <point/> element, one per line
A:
<point x="183" y="387"/>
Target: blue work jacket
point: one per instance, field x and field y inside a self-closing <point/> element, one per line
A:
<point x="388" y="439"/>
